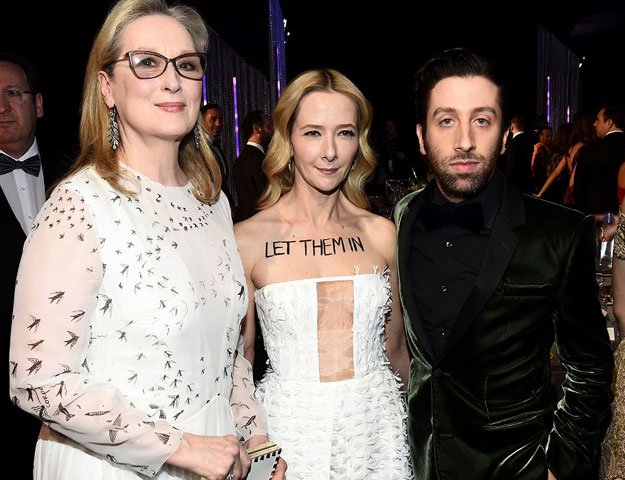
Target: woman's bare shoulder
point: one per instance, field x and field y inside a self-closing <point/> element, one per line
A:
<point x="252" y="234"/>
<point x="251" y="225"/>
<point x="376" y="224"/>
<point x="379" y="231"/>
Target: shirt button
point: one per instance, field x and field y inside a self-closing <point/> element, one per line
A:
<point x="23" y="188"/>
<point x="443" y="332"/>
<point x="449" y="244"/>
<point x="443" y="288"/>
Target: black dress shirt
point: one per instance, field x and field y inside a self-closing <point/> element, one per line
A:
<point x="445" y="262"/>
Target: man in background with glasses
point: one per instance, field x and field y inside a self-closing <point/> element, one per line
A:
<point x="23" y="182"/>
<point x="213" y="116"/>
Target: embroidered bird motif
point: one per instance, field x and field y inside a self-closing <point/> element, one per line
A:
<point x="35" y="367"/>
<point x="71" y="341"/>
<point x="56" y="297"/>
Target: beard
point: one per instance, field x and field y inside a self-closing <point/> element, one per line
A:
<point x="460" y="186"/>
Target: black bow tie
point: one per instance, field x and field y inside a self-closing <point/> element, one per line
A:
<point x="217" y="142"/>
<point x="31" y="165"/>
<point x="468" y="216"/>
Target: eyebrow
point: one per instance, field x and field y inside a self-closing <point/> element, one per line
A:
<point x="440" y="110"/>
<point x="322" y="127"/>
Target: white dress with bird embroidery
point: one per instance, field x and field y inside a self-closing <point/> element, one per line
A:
<point x="332" y="401"/>
<point x="126" y="329"/>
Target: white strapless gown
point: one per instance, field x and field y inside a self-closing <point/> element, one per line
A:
<point x="332" y="401"/>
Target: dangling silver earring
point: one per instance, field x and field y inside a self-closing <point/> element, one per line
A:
<point x="290" y="166"/>
<point x="351" y="169"/>
<point x="113" y="129"/>
<point x="197" y="136"/>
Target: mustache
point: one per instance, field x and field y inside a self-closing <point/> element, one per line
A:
<point x="465" y="156"/>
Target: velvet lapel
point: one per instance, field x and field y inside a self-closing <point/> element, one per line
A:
<point x="405" y="216"/>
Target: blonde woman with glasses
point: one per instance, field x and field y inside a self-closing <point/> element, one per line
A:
<point x="131" y="292"/>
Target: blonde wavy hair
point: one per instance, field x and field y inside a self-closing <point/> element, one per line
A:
<point x="198" y="164"/>
<point x="280" y="152"/>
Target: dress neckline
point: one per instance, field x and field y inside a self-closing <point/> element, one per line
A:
<point x="322" y="279"/>
<point x="144" y="179"/>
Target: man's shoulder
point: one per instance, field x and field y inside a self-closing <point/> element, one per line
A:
<point x="403" y="205"/>
<point x="540" y="204"/>
<point x="615" y="141"/>
<point x="249" y="154"/>
<point x="550" y="215"/>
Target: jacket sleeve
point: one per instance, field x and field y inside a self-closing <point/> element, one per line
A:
<point x="584" y="349"/>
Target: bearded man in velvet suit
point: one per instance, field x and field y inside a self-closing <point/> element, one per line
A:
<point x="26" y="170"/>
<point x="489" y="278"/>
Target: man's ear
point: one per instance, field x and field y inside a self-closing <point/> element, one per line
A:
<point x="503" y="141"/>
<point x="420" y="138"/>
<point x="39" y="105"/>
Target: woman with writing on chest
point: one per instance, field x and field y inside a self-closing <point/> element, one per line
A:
<point x="322" y="279"/>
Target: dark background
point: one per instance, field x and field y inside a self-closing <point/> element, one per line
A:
<point x="382" y="48"/>
<point x="378" y="48"/>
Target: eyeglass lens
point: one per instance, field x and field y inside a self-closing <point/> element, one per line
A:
<point x="14" y="95"/>
<point x="150" y="64"/>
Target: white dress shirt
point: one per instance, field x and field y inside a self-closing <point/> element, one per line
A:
<point x="24" y="192"/>
<point x="257" y="145"/>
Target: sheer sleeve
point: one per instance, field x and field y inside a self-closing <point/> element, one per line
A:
<point x="249" y="415"/>
<point x="57" y="286"/>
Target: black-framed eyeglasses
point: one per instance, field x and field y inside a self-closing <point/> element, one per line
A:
<point x="145" y="64"/>
<point x="15" y="95"/>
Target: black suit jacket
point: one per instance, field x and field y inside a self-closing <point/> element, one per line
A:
<point x="21" y="429"/>
<point x="596" y="174"/>
<point x="484" y="406"/>
<point x="518" y="161"/>
<point x="225" y="171"/>
<point x="249" y="181"/>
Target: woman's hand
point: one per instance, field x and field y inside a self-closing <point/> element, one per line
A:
<point x="281" y="467"/>
<point x="212" y="457"/>
<point x="608" y="229"/>
<point x="280" y="472"/>
<point x="255" y="440"/>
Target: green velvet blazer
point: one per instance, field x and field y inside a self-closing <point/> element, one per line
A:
<point x="484" y="409"/>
